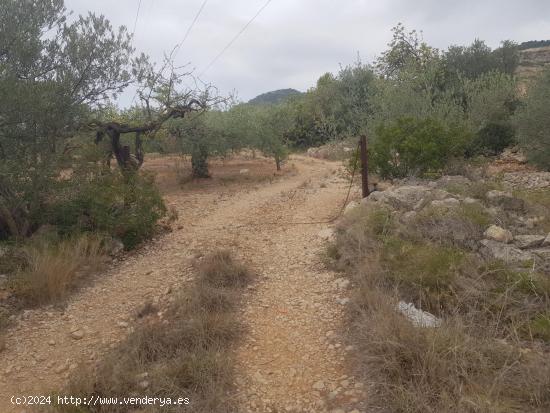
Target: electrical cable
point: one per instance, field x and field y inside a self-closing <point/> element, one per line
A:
<point x="234" y="39"/>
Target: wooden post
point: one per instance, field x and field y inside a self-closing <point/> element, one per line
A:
<point x="364" y="166"/>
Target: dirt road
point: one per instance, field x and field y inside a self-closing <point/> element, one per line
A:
<point x="291" y="359"/>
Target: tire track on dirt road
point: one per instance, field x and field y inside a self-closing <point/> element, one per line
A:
<point x="289" y="359"/>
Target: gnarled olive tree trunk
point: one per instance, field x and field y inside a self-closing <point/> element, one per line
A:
<point x="199" y="162"/>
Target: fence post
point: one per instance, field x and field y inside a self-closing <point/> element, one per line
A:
<point x="364" y="166"/>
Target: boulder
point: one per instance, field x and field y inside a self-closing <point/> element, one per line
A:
<point x="408" y="197"/>
<point x="114" y="247"/>
<point x="448" y="203"/>
<point x="449" y="180"/>
<point x="543" y="253"/>
<point x="496" y="233"/>
<point x="244" y="171"/>
<point x="326" y="234"/>
<point x="418" y="317"/>
<point x="508" y="253"/>
<point x="529" y="241"/>
<point x="350" y="207"/>
<point x="506" y="201"/>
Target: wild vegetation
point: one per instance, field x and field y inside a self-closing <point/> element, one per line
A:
<point x="488" y="354"/>
<point x="65" y="207"/>
<point x="182" y="350"/>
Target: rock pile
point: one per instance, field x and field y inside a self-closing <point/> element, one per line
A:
<point x="510" y="245"/>
<point x="527" y="180"/>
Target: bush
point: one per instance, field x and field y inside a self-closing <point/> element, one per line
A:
<point x="51" y="269"/>
<point x="533" y="123"/>
<point x="124" y="207"/>
<point x="488" y="355"/>
<point x="416" y="147"/>
<point x="186" y="352"/>
<point x="493" y="138"/>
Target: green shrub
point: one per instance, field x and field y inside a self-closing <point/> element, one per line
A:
<point x="493" y="138"/>
<point x="425" y="271"/>
<point x="124" y="207"/>
<point x="533" y="122"/>
<point x="416" y="147"/>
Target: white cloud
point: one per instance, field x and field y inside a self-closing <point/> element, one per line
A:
<point x="293" y="42"/>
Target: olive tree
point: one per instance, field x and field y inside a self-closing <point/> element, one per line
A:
<point x="533" y="122"/>
<point x="51" y="72"/>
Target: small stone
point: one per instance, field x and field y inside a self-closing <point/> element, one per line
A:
<point x="143" y="384"/>
<point x="343" y="301"/>
<point x="62" y="368"/>
<point x="529" y="241"/>
<point x="122" y="324"/>
<point x="326" y="234"/>
<point x="342" y="283"/>
<point x="319" y="385"/>
<point x="496" y="233"/>
<point x="77" y="334"/>
<point x="546" y="242"/>
<point x="51" y="343"/>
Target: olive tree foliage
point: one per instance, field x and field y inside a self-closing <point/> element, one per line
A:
<point x="533" y="122"/>
<point x="490" y="102"/>
<point x="162" y="96"/>
<point x="424" y="99"/>
<point x="52" y="72"/>
<point x="205" y="134"/>
<point x="478" y="58"/>
<point x="336" y="108"/>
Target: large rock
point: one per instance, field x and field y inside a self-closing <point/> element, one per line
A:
<point x="529" y="241"/>
<point x="407" y="197"/>
<point x="350" y="207"/>
<point x="452" y="180"/>
<point x="508" y="253"/>
<point x="543" y="253"/>
<point x="506" y="201"/>
<point x="496" y="233"/>
<point x="448" y="203"/>
<point x="418" y="317"/>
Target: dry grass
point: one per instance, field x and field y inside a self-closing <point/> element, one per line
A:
<point x="491" y="353"/>
<point x="184" y="350"/>
<point x="538" y="204"/>
<point x="458" y="227"/>
<point x="52" y="269"/>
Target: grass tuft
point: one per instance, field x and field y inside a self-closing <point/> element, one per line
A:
<point x="50" y="272"/>
<point x="490" y="354"/>
<point x="186" y="351"/>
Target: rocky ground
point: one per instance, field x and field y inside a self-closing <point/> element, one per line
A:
<point x="291" y="359"/>
<point x="515" y="235"/>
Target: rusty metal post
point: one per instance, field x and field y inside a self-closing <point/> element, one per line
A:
<point x="364" y="166"/>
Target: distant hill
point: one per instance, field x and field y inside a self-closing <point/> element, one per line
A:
<point x="532" y="62"/>
<point x="533" y="44"/>
<point x="274" y="97"/>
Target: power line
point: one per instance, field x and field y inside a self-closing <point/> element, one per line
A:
<point x="176" y="50"/>
<point x="235" y="38"/>
<point x="137" y="16"/>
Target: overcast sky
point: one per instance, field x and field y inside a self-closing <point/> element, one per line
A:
<point x="293" y="42"/>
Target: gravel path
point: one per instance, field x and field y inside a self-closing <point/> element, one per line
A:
<point x="290" y="360"/>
